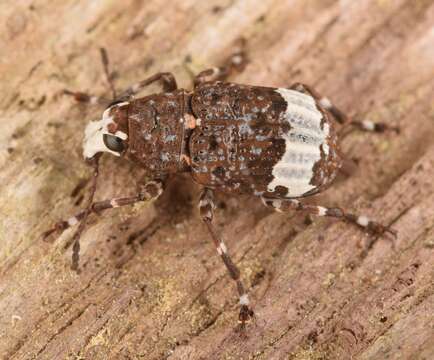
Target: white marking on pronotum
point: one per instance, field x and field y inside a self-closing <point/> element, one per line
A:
<point x="306" y="138"/>
<point x="322" y="211"/>
<point x="325" y="103"/>
<point x="189" y="121"/>
<point x="72" y="221"/>
<point x="93" y="135"/>
<point x="244" y="299"/>
<point x="222" y="249"/>
<point x="363" y="221"/>
<point x="368" y="125"/>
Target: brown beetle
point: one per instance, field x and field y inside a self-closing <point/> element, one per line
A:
<point x="275" y="143"/>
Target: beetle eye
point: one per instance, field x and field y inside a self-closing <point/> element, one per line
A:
<point x="113" y="142"/>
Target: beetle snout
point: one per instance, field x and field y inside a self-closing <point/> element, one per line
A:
<point x="105" y="135"/>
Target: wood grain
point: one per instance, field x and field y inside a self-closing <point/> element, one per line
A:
<point x="151" y="285"/>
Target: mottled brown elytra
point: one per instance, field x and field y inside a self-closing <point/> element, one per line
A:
<point x="274" y="143"/>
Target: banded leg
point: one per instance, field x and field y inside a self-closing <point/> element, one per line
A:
<point x="373" y="227"/>
<point x="236" y="62"/>
<point x="340" y="116"/>
<point x="206" y="210"/>
<point x="149" y="191"/>
<point x="167" y="79"/>
<point x="83" y="97"/>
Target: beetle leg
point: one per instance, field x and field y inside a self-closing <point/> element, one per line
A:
<point x="236" y="62"/>
<point x="373" y="227"/>
<point x="149" y="191"/>
<point x="86" y="98"/>
<point x="167" y="80"/>
<point x="212" y="74"/>
<point x="340" y="116"/>
<point x="206" y="209"/>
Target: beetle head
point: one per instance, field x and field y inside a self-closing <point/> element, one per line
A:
<point x="110" y="134"/>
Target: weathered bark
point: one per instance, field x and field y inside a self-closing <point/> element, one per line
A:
<point x="151" y="284"/>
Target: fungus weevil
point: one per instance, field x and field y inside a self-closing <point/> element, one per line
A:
<point x="274" y="143"/>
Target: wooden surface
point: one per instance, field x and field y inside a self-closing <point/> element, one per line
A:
<point x="151" y="285"/>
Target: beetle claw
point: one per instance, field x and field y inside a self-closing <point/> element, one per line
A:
<point x="378" y="229"/>
<point x="246" y="314"/>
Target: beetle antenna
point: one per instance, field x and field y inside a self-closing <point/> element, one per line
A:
<point x="107" y="73"/>
<point x="94" y="162"/>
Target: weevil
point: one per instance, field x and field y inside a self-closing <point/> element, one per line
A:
<point x="277" y="144"/>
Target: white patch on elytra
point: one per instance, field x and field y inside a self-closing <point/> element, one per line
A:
<point x="93" y="135"/>
<point x="304" y="142"/>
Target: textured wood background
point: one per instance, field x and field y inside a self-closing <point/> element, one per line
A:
<point x="151" y="285"/>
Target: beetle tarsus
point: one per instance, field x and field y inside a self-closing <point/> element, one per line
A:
<point x="245" y="316"/>
<point x="378" y="229"/>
